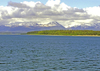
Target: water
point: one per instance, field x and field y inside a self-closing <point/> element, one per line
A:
<point x="49" y="53"/>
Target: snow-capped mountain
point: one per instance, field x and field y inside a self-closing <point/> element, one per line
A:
<point x="86" y="27"/>
<point x="25" y="27"/>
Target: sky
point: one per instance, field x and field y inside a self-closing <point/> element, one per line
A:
<point x="72" y="3"/>
<point x="68" y="13"/>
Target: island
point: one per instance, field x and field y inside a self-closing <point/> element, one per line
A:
<point x="66" y="32"/>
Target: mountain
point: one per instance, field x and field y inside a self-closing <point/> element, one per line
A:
<point x="86" y="27"/>
<point x="31" y="27"/>
<point x="26" y="27"/>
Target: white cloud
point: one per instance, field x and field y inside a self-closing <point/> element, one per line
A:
<point x="64" y="6"/>
<point x="53" y="10"/>
<point x="52" y="3"/>
<point x="94" y="11"/>
<point x="31" y="3"/>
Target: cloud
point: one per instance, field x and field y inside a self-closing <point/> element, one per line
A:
<point x="31" y="3"/>
<point x="52" y="3"/>
<point x="37" y="12"/>
<point x="19" y="5"/>
<point x="94" y="11"/>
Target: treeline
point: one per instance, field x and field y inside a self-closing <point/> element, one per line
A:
<point x="65" y="32"/>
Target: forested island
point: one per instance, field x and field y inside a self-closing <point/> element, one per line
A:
<point x="66" y="32"/>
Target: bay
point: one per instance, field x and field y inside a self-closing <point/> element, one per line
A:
<point x="49" y="53"/>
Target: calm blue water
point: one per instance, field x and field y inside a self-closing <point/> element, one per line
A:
<point x="49" y="53"/>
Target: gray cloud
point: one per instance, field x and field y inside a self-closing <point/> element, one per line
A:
<point x="19" y="5"/>
<point x="41" y="6"/>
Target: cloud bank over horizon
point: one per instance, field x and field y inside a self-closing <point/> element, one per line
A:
<point x="24" y="13"/>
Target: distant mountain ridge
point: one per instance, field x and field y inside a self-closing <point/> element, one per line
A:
<point x="32" y="27"/>
<point x="26" y="27"/>
<point x="86" y="27"/>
